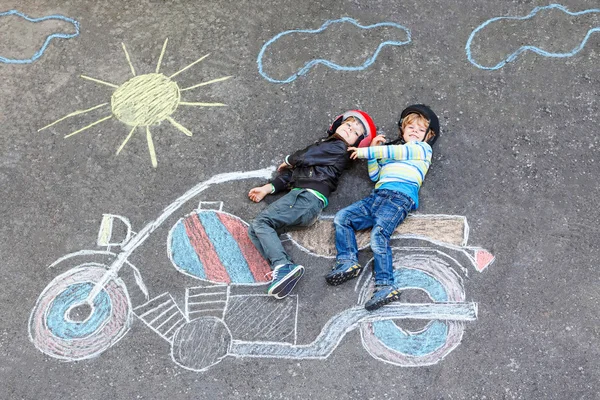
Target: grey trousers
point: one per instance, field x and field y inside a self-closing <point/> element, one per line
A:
<point x="299" y="207"/>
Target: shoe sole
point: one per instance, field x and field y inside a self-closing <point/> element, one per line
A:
<point x="382" y="302"/>
<point x="286" y="285"/>
<point x="341" y="277"/>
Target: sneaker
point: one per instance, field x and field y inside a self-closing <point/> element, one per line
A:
<point x="343" y="272"/>
<point x="383" y="295"/>
<point x="285" y="277"/>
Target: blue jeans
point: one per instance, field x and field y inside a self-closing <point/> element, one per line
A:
<point x="296" y="208"/>
<point x="383" y="210"/>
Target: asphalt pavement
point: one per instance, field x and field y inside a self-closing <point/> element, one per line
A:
<point x="150" y="121"/>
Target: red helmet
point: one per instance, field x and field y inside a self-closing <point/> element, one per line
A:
<point x="365" y="120"/>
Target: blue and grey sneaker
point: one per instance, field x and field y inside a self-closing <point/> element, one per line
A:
<point x="285" y="277"/>
<point x="383" y="295"/>
<point x="342" y="272"/>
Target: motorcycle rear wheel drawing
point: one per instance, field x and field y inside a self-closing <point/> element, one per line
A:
<point x="64" y="325"/>
<point x="431" y="273"/>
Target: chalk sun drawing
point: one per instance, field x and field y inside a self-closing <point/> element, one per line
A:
<point x="41" y="51"/>
<point x="145" y="100"/>
<point x="511" y="57"/>
<point x="328" y="63"/>
<point x="87" y="309"/>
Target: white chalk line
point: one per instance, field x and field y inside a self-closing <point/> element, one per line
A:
<point x="161" y="314"/>
<point x="335" y="330"/>
<point x="143" y="234"/>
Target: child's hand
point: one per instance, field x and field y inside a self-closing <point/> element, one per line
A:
<point x="354" y="154"/>
<point x="258" y="193"/>
<point x="282" y="166"/>
<point x="378" y="140"/>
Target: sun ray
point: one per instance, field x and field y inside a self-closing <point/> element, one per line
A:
<point x="207" y="83"/>
<point x="128" y="59"/>
<point x="89" y="126"/>
<point x="187" y="103"/>
<point x="151" y="147"/>
<point x="73" y="114"/>
<point x="192" y="64"/>
<point x="162" y="53"/>
<point x="179" y="126"/>
<point x="126" y="140"/>
<point x="99" y="81"/>
<point x="143" y="101"/>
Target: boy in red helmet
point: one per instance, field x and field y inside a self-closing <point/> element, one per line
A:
<point x="398" y="170"/>
<point x="311" y="174"/>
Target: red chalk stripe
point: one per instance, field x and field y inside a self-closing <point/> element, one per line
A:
<point x="239" y="231"/>
<point x="214" y="269"/>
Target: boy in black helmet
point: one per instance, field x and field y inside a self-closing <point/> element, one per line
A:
<point x="312" y="174"/>
<point x="398" y="170"/>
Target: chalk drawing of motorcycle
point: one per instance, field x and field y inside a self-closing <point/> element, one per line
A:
<point x="88" y="308"/>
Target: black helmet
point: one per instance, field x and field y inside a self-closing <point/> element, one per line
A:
<point x="428" y="114"/>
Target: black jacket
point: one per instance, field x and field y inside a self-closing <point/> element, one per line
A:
<point x="317" y="167"/>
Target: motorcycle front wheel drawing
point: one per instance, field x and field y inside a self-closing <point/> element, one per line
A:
<point x="429" y="272"/>
<point x="64" y="326"/>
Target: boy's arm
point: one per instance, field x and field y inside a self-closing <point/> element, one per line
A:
<point x="411" y="151"/>
<point x="323" y="153"/>
<point x="281" y="181"/>
<point x="374" y="169"/>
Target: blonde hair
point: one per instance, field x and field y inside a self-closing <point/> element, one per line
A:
<point x="419" y="119"/>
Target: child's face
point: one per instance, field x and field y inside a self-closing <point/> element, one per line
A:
<point x="350" y="131"/>
<point x="414" y="132"/>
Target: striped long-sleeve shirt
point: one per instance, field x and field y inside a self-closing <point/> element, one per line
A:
<point x="398" y="167"/>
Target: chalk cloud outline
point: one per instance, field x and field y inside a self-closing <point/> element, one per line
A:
<point x="327" y="63"/>
<point x="535" y="49"/>
<point x="41" y="51"/>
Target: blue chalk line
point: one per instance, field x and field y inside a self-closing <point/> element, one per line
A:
<point x="327" y="63"/>
<point x="39" y="53"/>
<point x="536" y="50"/>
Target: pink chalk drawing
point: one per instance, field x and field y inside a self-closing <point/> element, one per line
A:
<point x="87" y="309"/>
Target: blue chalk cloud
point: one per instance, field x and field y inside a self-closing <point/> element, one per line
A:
<point x="512" y="56"/>
<point x="370" y="60"/>
<point x="41" y="51"/>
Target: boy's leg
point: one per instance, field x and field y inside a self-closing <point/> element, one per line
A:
<point x="254" y="239"/>
<point x="391" y="210"/>
<point x="263" y="230"/>
<point x="346" y="221"/>
<point x="355" y="217"/>
<point x="297" y="208"/>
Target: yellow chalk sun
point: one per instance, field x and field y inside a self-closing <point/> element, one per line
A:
<point x="143" y="101"/>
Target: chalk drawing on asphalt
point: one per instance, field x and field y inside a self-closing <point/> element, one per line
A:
<point x="449" y="231"/>
<point x="89" y="308"/>
<point x="143" y="101"/>
<point x="214" y="246"/>
<point x="92" y="287"/>
<point x="162" y="315"/>
<point x="429" y="272"/>
<point x="208" y="300"/>
<point x="41" y="51"/>
<point x="525" y="48"/>
<point x="107" y="231"/>
<point x="55" y="328"/>
<point x="327" y="62"/>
